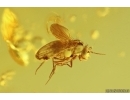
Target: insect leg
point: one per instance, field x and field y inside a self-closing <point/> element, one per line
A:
<point x="39" y="67"/>
<point x="70" y="65"/>
<point x="73" y="57"/>
<point x="61" y="62"/>
<point x="52" y="72"/>
<point x="65" y="61"/>
<point x="69" y="60"/>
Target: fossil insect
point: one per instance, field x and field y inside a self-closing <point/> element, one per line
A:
<point x="64" y="50"/>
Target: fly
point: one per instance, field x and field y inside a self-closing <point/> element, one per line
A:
<point x="64" y="50"/>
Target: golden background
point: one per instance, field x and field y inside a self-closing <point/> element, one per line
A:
<point x="100" y="72"/>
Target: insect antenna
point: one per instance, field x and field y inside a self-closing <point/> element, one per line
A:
<point x="39" y="67"/>
<point x="97" y="53"/>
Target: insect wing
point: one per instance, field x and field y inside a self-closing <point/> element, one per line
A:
<point x="50" y="50"/>
<point x="60" y="32"/>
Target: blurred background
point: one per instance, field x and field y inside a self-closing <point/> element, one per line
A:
<point x="24" y="31"/>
